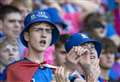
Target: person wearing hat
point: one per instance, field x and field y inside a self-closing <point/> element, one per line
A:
<point x="60" y="55"/>
<point x="84" y="52"/>
<point x="39" y="33"/>
<point x="61" y="26"/>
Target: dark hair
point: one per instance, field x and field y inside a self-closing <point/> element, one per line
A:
<point x="89" y="29"/>
<point x="90" y="18"/>
<point x="91" y="21"/>
<point x="108" y="46"/>
<point x="7" y="9"/>
<point x="119" y="48"/>
<point x="62" y="40"/>
<point x="94" y="24"/>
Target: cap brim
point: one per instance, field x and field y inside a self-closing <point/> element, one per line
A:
<point x="98" y="45"/>
<point x="55" y="32"/>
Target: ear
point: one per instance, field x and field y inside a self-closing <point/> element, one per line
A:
<point x="26" y="36"/>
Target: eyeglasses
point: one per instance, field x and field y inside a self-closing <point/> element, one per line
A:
<point x="47" y="30"/>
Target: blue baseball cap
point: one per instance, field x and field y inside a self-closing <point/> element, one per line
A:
<point x="56" y="18"/>
<point x="38" y="16"/>
<point x="78" y="39"/>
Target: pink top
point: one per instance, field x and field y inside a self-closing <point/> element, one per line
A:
<point x="48" y="54"/>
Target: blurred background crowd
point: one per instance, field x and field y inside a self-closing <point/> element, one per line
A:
<point x="99" y="19"/>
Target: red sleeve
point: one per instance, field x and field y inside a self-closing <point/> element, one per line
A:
<point x="21" y="72"/>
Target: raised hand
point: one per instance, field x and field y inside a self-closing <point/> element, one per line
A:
<point x="91" y="69"/>
<point x="72" y="56"/>
<point x="83" y="55"/>
<point x="93" y="72"/>
<point x="61" y="74"/>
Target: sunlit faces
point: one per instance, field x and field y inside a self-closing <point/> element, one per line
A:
<point x="106" y="60"/>
<point x="9" y="54"/>
<point x="39" y="36"/>
<point x="12" y="24"/>
<point x="92" y="51"/>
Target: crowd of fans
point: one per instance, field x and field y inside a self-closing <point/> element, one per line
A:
<point x="98" y="19"/>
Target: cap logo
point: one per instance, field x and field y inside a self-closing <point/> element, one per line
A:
<point x="84" y="36"/>
<point x="42" y="14"/>
<point x="33" y="16"/>
<point x="39" y="14"/>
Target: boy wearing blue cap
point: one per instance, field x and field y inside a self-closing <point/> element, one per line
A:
<point x="39" y="33"/>
<point x="84" y="52"/>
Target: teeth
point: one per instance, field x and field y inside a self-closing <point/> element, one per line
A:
<point x="92" y="57"/>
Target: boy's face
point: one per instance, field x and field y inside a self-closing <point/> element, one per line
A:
<point x="12" y="25"/>
<point x="60" y="55"/>
<point x="107" y="60"/>
<point x="39" y="36"/>
<point x="92" y="51"/>
<point x="9" y="54"/>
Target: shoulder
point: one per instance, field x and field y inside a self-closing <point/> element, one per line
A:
<point x="16" y="64"/>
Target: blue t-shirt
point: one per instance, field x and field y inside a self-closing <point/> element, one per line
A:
<point x="111" y="4"/>
<point x="110" y="30"/>
<point x="2" y="76"/>
<point x="43" y="75"/>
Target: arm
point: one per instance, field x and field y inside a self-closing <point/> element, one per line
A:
<point x="91" y="69"/>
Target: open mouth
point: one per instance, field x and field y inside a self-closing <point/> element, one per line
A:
<point x="92" y="57"/>
<point x="43" y="42"/>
